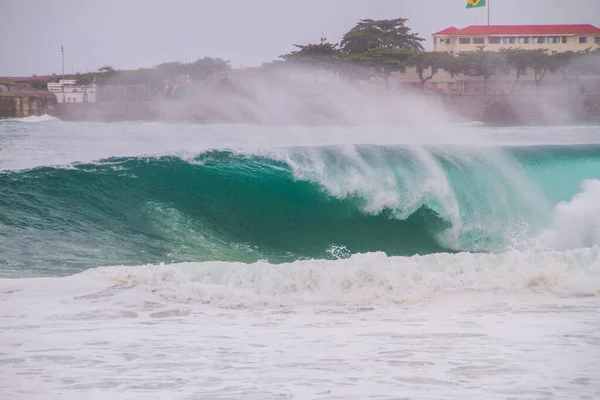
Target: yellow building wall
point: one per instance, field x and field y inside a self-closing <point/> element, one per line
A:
<point x="593" y="42"/>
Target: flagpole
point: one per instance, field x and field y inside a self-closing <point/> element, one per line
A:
<point x="488" y="7"/>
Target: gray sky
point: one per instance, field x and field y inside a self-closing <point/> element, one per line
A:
<point x="142" y="33"/>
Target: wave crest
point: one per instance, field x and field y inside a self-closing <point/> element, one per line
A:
<point x="366" y="279"/>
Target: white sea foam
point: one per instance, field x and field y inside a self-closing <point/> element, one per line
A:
<point x="576" y="222"/>
<point x="33" y="118"/>
<point x="463" y="326"/>
<point x="369" y="279"/>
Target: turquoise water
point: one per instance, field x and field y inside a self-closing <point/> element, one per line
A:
<point x="285" y="204"/>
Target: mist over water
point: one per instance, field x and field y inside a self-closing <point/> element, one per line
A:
<point x="146" y="254"/>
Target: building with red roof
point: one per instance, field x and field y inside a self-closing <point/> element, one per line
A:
<point x="554" y="38"/>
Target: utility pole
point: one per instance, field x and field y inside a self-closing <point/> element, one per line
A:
<point x="62" y="50"/>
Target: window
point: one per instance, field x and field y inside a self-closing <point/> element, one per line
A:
<point x="582" y="39"/>
<point x="494" y="40"/>
<point x="464" y="40"/>
<point x="478" y="40"/>
<point x="597" y="40"/>
<point x="523" y="40"/>
<point x="450" y="85"/>
<point x="554" y="39"/>
<point x="508" y="40"/>
<point x="554" y="53"/>
<point x="444" y="41"/>
<point x="564" y="39"/>
<point x="538" y="39"/>
<point x="522" y="71"/>
<point x="435" y="40"/>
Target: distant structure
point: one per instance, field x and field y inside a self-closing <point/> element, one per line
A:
<point x="18" y="100"/>
<point x="67" y="91"/>
<point x="554" y="38"/>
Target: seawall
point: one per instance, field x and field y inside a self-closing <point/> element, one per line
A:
<point x="18" y="101"/>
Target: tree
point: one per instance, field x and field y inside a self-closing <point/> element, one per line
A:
<point x="321" y="55"/>
<point x="479" y="63"/>
<point x="204" y="68"/>
<point x="515" y="59"/>
<point x="383" y="61"/>
<point x="541" y="63"/>
<point x="574" y="64"/>
<point x="170" y="70"/>
<point x="86" y="79"/>
<point x="428" y="64"/>
<point x="387" y="34"/>
<point x="107" y="69"/>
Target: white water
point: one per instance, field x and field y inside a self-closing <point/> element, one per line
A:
<point x="436" y="327"/>
<point x="522" y="324"/>
<point x="577" y="222"/>
<point x="49" y="141"/>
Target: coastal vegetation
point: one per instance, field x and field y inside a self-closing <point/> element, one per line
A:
<point x="373" y="48"/>
<point x="388" y="45"/>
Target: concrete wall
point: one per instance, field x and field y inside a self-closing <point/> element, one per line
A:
<point x="19" y="105"/>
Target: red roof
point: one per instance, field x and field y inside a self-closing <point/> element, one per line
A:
<point x="448" y="31"/>
<point x="485" y="30"/>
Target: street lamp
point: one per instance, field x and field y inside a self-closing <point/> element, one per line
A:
<point x="62" y="50"/>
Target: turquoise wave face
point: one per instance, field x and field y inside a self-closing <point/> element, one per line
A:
<point x="288" y="205"/>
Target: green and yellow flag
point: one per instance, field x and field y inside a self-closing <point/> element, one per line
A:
<point x="475" y="3"/>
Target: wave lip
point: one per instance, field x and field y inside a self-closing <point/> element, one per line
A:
<point x="366" y="279"/>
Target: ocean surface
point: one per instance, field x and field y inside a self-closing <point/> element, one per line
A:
<point x="419" y="261"/>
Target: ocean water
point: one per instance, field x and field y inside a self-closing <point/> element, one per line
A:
<point x="170" y="260"/>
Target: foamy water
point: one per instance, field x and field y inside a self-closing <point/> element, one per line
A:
<point x="82" y="338"/>
<point x="521" y="323"/>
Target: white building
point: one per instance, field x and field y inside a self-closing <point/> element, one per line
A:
<point x="67" y="91"/>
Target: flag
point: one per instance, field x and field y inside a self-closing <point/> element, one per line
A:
<point x="475" y="3"/>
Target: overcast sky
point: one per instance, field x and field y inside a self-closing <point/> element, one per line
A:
<point x="142" y="33"/>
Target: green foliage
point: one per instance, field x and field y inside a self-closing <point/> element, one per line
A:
<point x="427" y="64"/>
<point x="383" y="61"/>
<point x="323" y="54"/>
<point x="86" y="79"/>
<point x="202" y="68"/>
<point x="107" y="69"/>
<point x="479" y="63"/>
<point x="387" y="34"/>
<point x="95" y="77"/>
